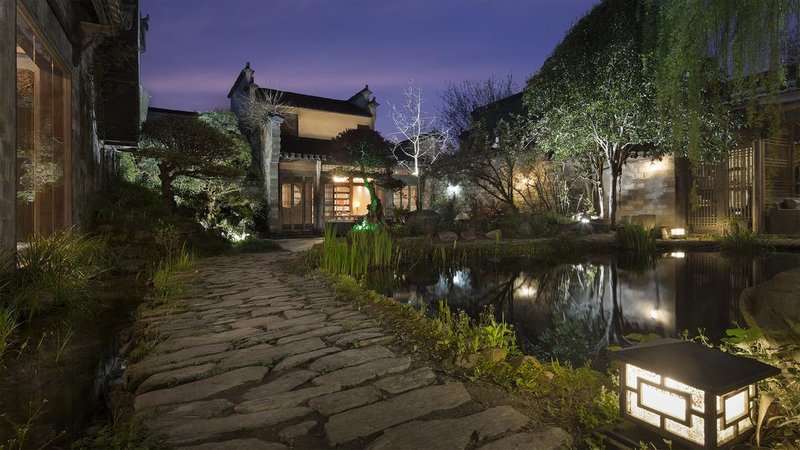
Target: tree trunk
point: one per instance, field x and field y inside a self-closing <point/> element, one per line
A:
<point x="375" y="214"/>
<point x="420" y="191"/>
<point x="612" y="198"/>
<point x="600" y="194"/>
<point x="167" y="195"/>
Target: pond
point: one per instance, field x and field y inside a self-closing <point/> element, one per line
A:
<point x="60" y="378"/>
<point x="572" y="312"/>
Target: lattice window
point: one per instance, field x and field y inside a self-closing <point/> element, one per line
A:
<point x="703" y="201"/>
<point x="740" y="184"/>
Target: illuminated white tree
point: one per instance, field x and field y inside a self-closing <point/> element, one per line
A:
<point x="419" y="140"/>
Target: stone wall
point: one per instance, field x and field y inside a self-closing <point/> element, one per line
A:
<point x="647" y="187"/>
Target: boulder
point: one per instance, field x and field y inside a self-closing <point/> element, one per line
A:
<point x="790" y="203"/>
<point x="645" y="220"/>
<point x="495" y="235"/>
<point x="774" y="306"/>
<point x="468" y="235"/>
<point x="524" y="360"/>
<point x="423" y="220"/>
<point x="447" y="236"/>
<point x="494" y="354"/>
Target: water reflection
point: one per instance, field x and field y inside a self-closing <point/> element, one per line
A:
<point x="572" y="312"/>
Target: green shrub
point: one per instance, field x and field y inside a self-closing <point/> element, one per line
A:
<point x="742" y="244"/>
<point x="782" y="422"/>
<point x="256" y="245"/>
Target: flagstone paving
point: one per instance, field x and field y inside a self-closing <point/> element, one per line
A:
<point x="261" y="358"/>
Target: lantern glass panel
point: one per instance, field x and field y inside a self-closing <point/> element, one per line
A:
<point x="632" y="403"/>
<point x="695" y="432"/>
<point x="633" y="373"/>
<point x="735" y="407"/>
<point x="664" y="401"/>
<point x="698" y="396"/>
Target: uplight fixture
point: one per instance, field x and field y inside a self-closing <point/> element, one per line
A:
<point x="677" y="232"/>
<point x="692" y="394"/>
<point x="340" y="179"/>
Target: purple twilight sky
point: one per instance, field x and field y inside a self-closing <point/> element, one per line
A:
<point x="331" y="48"/>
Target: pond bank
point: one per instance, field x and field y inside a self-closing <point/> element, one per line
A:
<point x="53" y="384"/>
<point x="256" y="355"/>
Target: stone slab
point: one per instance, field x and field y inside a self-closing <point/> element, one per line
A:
<point x="171" y="415"/>
<point x="406" y="381"/>
<point x="265" y="354"/>
<point x="367" y="420"/>
<point x="201" y="389"/>
<point x="174" y="377"/>
<point x="205" y="430"/>
<point x="349" y="358"/>
<point x="548" y="438"/>
<point x="452" y="434"/>
<point x="295" y="431"/>
<point x="238" y="444"/>
<point x="296" y="360"/>
<point x="285" y="399"/>
<point x="283" y="383"/>
<point x="352" y="376"/>
<point x="337" y="402"/>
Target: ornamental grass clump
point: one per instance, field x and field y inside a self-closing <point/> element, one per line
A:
<point x="57" y="270"/>
<point x="635" y="238"/>
<point x="740" y="244"/>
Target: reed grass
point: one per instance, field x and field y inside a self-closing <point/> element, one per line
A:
<point x="635" y="238"/>
<point x="358" y="252"/>
<point x="740" y="244"/>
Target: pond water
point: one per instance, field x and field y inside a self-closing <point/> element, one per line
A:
<point x="572" y="312"/>
<point x="59" y="380"/>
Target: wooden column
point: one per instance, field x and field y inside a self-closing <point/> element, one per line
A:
<point x="319" y="195"/>
<point x="759" y="186"/>
<point x="8" y="126"/>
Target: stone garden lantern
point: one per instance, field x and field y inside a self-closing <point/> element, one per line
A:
<point x="692" y="394"/>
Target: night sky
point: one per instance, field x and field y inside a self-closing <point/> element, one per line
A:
<point x="331" y="48"/>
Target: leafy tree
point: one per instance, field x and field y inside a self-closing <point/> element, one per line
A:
<point x="492" y="160"/>
<point x="746" y="43"/>
<point x="371" y="158"/>
<point x="189" y="147"/>
<point x="594" y="97"/>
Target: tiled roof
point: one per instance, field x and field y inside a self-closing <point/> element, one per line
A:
<point x="294" y="147"/>
<point x="313" y="102"/>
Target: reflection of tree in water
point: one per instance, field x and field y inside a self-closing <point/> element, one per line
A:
<point x="569" y="312"/>
<point x="582" y="325"/>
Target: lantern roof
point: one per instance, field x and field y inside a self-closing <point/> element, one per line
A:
<point x="695" y="364"/>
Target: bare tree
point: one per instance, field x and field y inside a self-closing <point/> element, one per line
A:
<point x="419" y="140"/>
<point x="460" y="100"/>
<point x="257" y="110"/>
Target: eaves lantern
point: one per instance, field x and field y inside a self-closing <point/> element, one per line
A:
<point x="695" y="395"/>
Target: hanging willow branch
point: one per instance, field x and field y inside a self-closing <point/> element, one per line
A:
<point x="714" y="54"/>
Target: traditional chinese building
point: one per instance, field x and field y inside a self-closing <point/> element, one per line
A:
<point x="294" y="154"/>
<point x="57" y="134"/>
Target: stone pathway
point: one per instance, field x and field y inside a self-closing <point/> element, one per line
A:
<point x="265" y="359"/>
